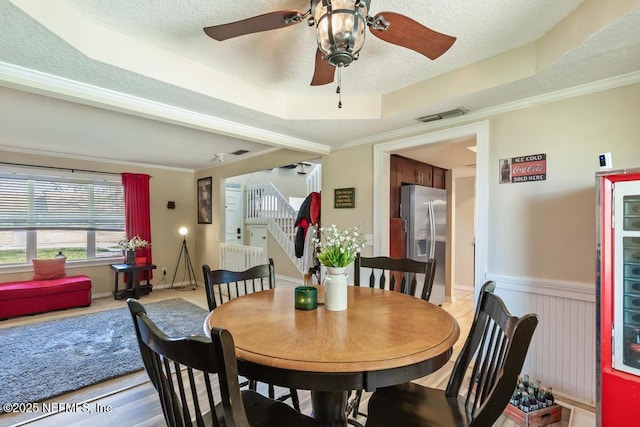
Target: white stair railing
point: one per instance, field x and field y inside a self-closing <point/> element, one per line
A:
<point x="314" y="179"/>
<point x="239" y="257"/>
<point x="266" y="205"/>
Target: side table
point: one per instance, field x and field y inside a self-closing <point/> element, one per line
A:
<point x="134" y="289"/>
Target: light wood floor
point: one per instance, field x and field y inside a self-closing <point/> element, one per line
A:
<point x="131" y="400"/>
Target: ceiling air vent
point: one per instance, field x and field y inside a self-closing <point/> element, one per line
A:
<point x="240" y="152"/>
<point x="460" y="111"/>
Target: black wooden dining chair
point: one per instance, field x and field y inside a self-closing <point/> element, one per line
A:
<point x="495" y="349"/>
<point x="402" y="275"/>
<point x="181" y="368"/>
<point x="224" y="285"/>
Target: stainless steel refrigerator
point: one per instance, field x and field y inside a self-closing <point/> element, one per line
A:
<point x="424" y="213"/>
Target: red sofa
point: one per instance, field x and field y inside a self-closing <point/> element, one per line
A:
<point x="39" y="296"/>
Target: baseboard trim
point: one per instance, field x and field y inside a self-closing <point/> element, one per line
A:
<point x="465" y="288"/>
<point x="176" y="285"/>
<point x="101" y="295"/>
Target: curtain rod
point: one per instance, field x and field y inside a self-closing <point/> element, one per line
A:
<point x="72" y="170"/>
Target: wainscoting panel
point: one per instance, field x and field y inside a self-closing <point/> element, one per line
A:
<point x="562" y="353"/>
<point x="240" y="258"/>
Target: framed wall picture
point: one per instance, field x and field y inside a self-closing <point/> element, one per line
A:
<point x="204" y="200"/>
<point x="344" y="198"/>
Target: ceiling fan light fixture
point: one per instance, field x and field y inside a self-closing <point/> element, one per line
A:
<point x="340" y="28"/>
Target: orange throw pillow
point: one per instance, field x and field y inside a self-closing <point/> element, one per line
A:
<point x="45" y="269"/>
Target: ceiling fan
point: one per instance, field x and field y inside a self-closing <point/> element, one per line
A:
<point x="340" y="30"/>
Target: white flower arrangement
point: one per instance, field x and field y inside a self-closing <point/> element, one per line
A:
<point x="133" y="244"/>
<point x="338" y="248"/>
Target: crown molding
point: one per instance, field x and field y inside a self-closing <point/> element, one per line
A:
<point x="422" y="128"/>
<point x="25" y="79"/>
<point x="68" y="156"/>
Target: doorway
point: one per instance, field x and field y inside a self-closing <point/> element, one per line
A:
<point x="381" y="174"/>
<point x="233" y="214"/>
<point x="458" y="158"/>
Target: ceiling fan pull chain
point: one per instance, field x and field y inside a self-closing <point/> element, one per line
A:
<point x="338" y="91"/>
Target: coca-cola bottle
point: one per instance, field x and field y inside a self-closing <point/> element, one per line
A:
<point x="505" y="172"/>
<point x="548" y="397"/>
<point x="525" y="405"/>
<point x="542" y="403"/>
<point x="536" y="386"/>
<point x="533" y="402"/>
<point x="525" y="381"/>
<point x="515" y="399"/>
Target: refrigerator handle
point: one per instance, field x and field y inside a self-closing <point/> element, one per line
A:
<point x="613" y="345"/>
<point x="432" y="249"/>
<point x="433" y="242"/>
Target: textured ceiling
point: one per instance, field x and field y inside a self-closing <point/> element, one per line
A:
<point x="147" y="61"/>
<point x="283" y="59"/>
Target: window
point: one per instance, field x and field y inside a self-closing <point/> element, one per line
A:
<point x="43" y="215"/>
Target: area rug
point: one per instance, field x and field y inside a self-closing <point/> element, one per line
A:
<point x="43" y="360"/>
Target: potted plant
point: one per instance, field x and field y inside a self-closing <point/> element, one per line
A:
<point x="130" y="246"/>
<point x="337" y="248"/>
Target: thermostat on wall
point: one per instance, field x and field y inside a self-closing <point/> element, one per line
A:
<point x="605" y="161"/>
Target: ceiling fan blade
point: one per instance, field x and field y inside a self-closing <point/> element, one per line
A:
<point x="324" y="72"/>
<point x="266" y="22"/>
<point x="404" y="31"/>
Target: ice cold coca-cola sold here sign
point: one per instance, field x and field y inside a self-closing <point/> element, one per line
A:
<point x="528" y="168"/>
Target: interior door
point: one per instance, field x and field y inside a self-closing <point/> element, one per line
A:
<point x="258" y="236"/>
<point x="233" y="215"/>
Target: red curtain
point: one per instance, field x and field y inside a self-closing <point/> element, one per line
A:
<point x="137" y="213"/>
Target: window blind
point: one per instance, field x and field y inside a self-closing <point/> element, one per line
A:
<point x="31" y="202"/>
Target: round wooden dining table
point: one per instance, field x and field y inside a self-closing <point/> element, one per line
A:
<point x="383" y="338"/>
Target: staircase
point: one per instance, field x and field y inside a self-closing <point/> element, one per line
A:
<point x="265" y="205"/>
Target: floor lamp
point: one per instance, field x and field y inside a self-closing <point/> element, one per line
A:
<point x="188" y="267"/>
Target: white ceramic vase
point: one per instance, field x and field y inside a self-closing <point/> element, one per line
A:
<point x="335" y="293"/>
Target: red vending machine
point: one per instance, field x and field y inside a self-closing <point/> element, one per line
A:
<point x="618" y="298"/>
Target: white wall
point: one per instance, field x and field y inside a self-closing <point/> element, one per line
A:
<point x="547" y="229"/>
<point x="464" y="230"/>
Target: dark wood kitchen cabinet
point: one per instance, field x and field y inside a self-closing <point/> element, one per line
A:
<point x="438" y="178"/>
<point x="413" y="172"/>
<point x="405" y="171"/>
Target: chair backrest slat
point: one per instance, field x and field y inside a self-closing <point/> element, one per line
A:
<point x="496" y="348"/>
<point x="194" y="396"/>
<point x="402" y="274"/>
<point x="183" y="396"/>
<point x="372" y="279"/>
<point x="224" y="285"/>
<point x="484" y="359"/>
<point x="225" y="356"/>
